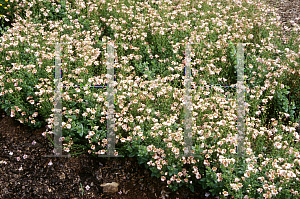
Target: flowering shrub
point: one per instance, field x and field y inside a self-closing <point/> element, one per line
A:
<point x="149" y="88"/>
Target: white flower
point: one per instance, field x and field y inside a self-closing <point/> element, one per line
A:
<point x="68" y="126"/>
<point x="93" y="111"/>
<point x="265" y="100"/>
<point x="12" y="114"/>
<point x="35" y="114"/>
<point x="278" y="145"/>
<point x="159" y="167"/>
<point x="135" y="101"/>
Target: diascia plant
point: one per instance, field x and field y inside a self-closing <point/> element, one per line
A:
<point x="149" y="88"/>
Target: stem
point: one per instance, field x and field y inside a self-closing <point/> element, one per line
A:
<point x="81" y="188"/>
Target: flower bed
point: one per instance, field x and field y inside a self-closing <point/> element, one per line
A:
<point x="149" y="104"/>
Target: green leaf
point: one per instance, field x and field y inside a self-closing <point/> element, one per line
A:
<point x="192" y="188"/>
<point x="80" y="131"/>
<point x="131" y="155"/>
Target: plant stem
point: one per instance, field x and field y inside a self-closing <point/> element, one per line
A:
<point x="81" y="188"/>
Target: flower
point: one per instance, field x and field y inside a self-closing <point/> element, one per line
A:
<point x="225" y="193"/>
<point x="278" y="145"/>
<point x="198" y="175"/>
<point x="159" y="166"/>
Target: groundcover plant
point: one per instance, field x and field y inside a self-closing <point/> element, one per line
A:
<point x="149" y="87"/>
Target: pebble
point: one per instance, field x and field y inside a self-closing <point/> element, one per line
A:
<point x="110" y="187"/>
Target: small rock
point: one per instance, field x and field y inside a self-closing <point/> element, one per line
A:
<point x="110" y="187"/>
<point x="62" y="176"/>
